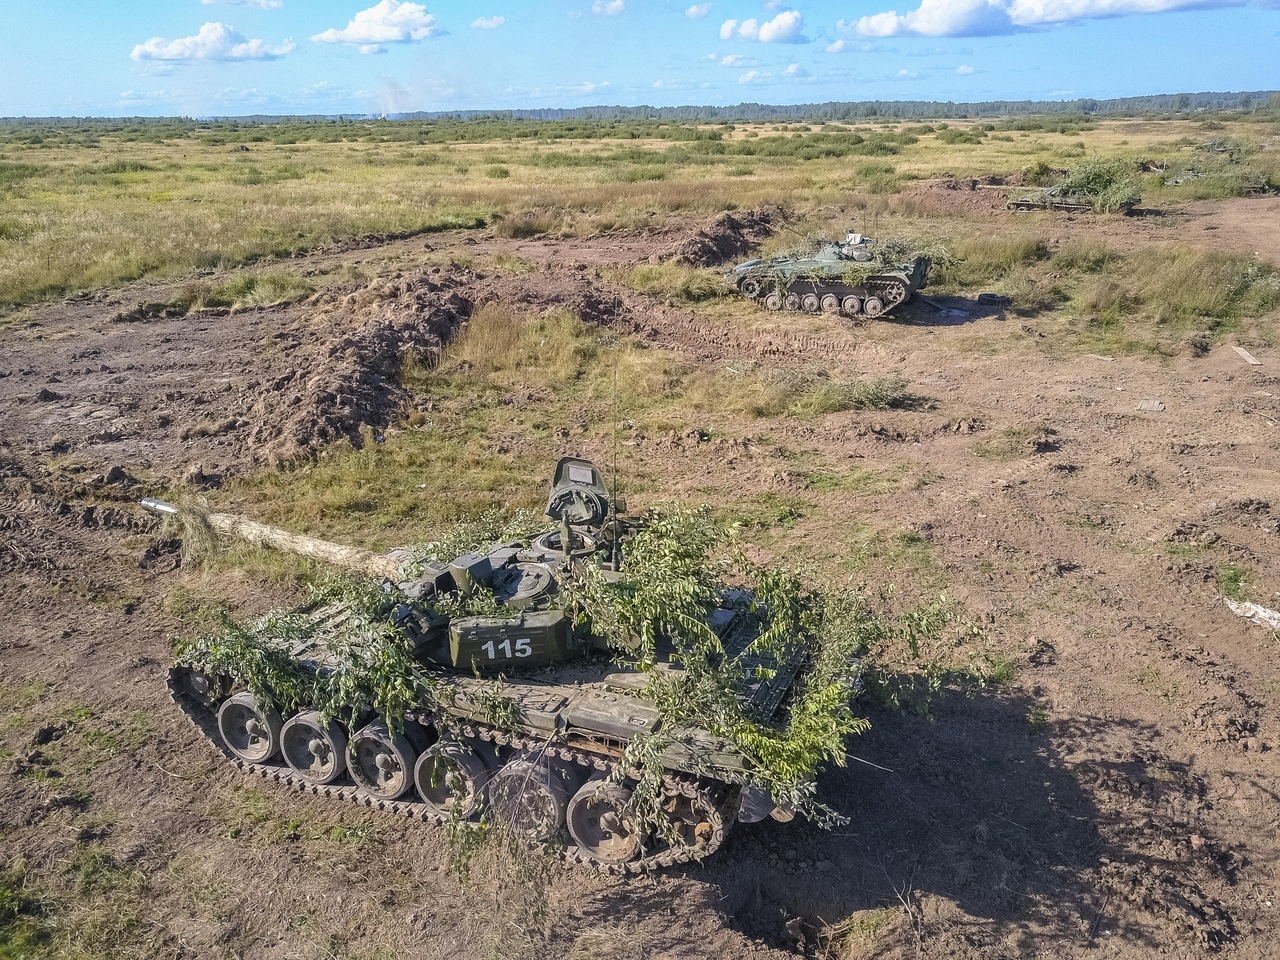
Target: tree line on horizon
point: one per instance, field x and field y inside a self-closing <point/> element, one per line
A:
<point x="1155" y="104"/>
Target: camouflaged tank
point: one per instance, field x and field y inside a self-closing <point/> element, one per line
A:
<point x="538" y="747"/>
<point x="857" y="277"/>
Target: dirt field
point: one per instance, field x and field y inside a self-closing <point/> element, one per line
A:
<point x="1117" y="797"/>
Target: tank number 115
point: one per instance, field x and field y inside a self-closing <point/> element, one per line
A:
<point x="522" y="649"/>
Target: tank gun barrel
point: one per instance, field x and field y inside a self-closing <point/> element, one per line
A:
<point x="230" y="525"/>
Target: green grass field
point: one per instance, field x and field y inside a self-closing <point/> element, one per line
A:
<point x="101" y="204"/>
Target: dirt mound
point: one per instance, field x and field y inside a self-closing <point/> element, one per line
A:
<point x="730" y="237"/>
<point x="349" y="381"/>
<point x="951" y="196"/>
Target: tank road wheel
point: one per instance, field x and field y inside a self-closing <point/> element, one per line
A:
<point x="530" y="797"/>
<point x="692" y="813"/>
<point x="449" y="776"/>
<point x="750" y="288"/>
<point x="381" y="762"/>
<point x="199" y="685"/>
<point x="892" y="292"/>
<point x="830" y="303"/>
<point x="791" y="301"/>
<point x="873" y="307"/>
<point x="851" y="306"/>
<point x="249" y="731"/>
<point x="601" y="825"/>
<point x="314" y="748"/>
<point x="773" y="301"/>
<point x="809" y="303"/>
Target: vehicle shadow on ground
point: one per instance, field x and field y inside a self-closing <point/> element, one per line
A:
<point x="979" y="811"/>
<point x="947" y="311"/>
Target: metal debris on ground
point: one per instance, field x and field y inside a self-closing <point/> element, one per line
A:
<point x="1254" y="613"/>
<point x="1151" y="406"/>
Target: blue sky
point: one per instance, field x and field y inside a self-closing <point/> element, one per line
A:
<point x="212" y="57"/>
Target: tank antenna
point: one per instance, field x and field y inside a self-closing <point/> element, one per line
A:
<point x="615" y="550"/>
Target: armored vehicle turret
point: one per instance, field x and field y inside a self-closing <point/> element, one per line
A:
<point x="487" y="684"/>
<point x="857" y="277"/>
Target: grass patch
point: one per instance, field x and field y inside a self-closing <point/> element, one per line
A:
<point x="1012" y="443"/>
<point x="508" y="263"/>
<point x="676" y="284"/>
<point x="22" y="694"/>
<point x="1167" y="300"/>
<point x="526" y="224"/>
<point x="847" y="939"/>
<point x="497" y="339"/>
<point x="639" y="174"/>
<point x="246" y="291"/>
<point x="1233" y="581"/>
<point x="24" y="932"/>
<point x="774" y="393"/>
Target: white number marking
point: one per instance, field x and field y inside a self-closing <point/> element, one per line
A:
<point x="523" y="649"/>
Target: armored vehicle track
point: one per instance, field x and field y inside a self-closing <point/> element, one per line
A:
<point x="702" y="810"/>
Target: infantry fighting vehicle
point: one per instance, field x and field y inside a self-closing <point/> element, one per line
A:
<point x="536" y="747"/>
<point x="1052" y="198"/>
<point x="857" y="277"/>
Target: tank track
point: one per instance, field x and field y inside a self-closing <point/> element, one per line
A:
<point x="891" y="291"/>
<point x="721" y="800"/>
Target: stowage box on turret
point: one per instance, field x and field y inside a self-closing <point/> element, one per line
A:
<point x="531" y="715"/>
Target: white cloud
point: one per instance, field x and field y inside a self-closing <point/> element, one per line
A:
<point x="735" y="60"/>
<point x="389" y="21"/>
<point x="213" y="41"/>
<point x="753" y="76"/>
<point x="323" y="90"/>
<point x="697" y="11"/>
<point x="253" y="97"/>
<point x="140" y="96"/>
<point x="795" y="70"/>
<point x="963" y="70"/>
<point x="583" y="88"/>
<point x="260" y="4"/>
<point x="980" y="18"/>
<point x="838" y="46"/>
<point x="907" y="74"/>
<point x="488" y="23"/>
<point x="609" y="8"/>
<point x="784" y="28"/>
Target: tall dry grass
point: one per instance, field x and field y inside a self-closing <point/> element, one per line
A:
<point x="116" y="207"/>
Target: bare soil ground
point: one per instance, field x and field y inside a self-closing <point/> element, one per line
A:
<point x="1118" y="799"/>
